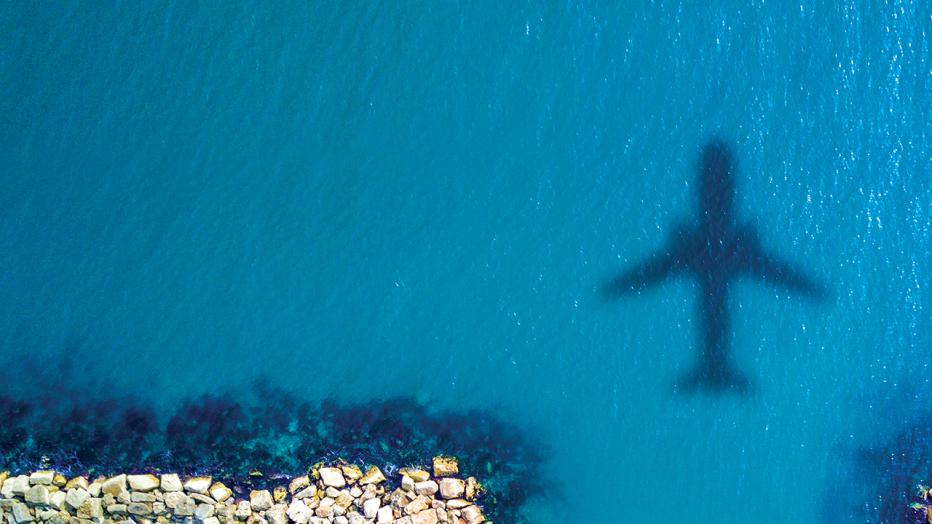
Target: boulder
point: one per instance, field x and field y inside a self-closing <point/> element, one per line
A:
<point x="220" y="492"/>
<point x="472" y="515"/>
<point x="143" y="482"/>
<point x="198" y="485"/>
<point x="298" y="483"/>
<point x="170" y="482"/>
<point x="76" y="496"/>
<point x="38" y="495"/>
<point x="427" y="488"/>
<point x="373" y="476"/>
<point x="428" y="516"/>
<point x="445" y="466"/>
<point x="452" y="488"/>
<point x="332" y="477"/>
<point x="384" y="516"/>
<point x="114" y="485"/>
<point x="260" y="500"/>
<point x="299" y="512"/>
<point x="44" y="478"/>
<point x="370" y="508"/>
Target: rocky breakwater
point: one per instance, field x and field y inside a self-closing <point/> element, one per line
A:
<point x="332" y="494"/>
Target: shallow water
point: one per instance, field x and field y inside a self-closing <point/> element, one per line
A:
<point x="362" y="202"/>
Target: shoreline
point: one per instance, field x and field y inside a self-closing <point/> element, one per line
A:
<point x="338" y="493"/>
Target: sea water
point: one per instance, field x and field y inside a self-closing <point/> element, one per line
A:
<point x="360" y="201"/>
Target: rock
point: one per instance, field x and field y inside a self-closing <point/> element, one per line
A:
<point x="185" y="507"/>
<point x="418" y="475"/>
<point x="114" y="485"/>
<point x="18" y="486"/>
<point x="276" y="514"/>
<point x="373" y="476"/>
<point x="139" y="508"/>
<point x="243" y="510"/>
<point x="417" y="505"/>
<point x="445" y="466"/>
<point x="299" y="512"/>
<point x="309" y="491"/>
<point x="57" y="499"/>
<point x="21" y="512"/>
<point x="407" y="483"/>
<point x="91" y="509"/>
<point x="370" y="508"/>
<point x="298" y="483"/>
<point x="211" y="520"/>
<point x="427" y="487"/>
<point x="59" y="480"/>
<point x="76" y="496"/>
<point x="77" y="482"/>
<point x="38" y="495"/>
<point x="94" y="487"/>
<point x="172" y="499"/>
<point x="332" y="477"/>
<point x="44" y="478"/>
<point x="203" y="511"/>
<point x="137" y="496"/>
<point x="384" y="515"/>
<point x="352" y="473"/>
<point x="472" y="488"/>
<point x="203" y="499"/>
<point x="427" y="516"/>
<point x="117" y="509"/>
<point x="198" y="485"/>
<point x="279" y="493"/>
<point x="170" y="482"/>
<point x="452" y="488"/>
<point x="220" y="492"/>
<point x="143" y="482"/>
<point x="260" y="500"/>
<point x="473" y="515"/>
<point x="458" y="504"/>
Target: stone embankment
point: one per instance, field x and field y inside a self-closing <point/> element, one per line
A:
<point x="335" y="494"/>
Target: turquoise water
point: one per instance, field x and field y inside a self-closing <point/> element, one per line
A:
<point x="361" y="201"/>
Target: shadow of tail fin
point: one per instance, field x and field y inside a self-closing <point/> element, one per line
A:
<point x="714" y="379"/>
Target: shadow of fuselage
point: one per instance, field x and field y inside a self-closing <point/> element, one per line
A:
<point x="715" y="250"/>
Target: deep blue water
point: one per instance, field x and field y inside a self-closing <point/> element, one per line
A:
<point x="360" y="201"/>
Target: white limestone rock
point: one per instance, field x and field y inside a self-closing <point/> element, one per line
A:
<point x="299" y="512"/>
<point x="332" y="477"/>
<point x="473" y="515"/>
<point x="15" y="486"/>
<point x="260" y="499"/>
<point x="143" y="482"/>
<point x="384" y="515"/>
<point x="114" y="485"/>
<point x="38" y="495"/>
<point x="198" y="485"/>
<point x="427" y="488"/>
<point x="452" y="488"/>
<point x="57" y="499"/>
<point x="307" y="492"/>
<point x="203" y="512"/>
<point x="76" y="496"/>
<point x="170" y="482"/>
<point x="370" y="508"/>
<point x="219" y="492"/>
<point x="42" y="477"/>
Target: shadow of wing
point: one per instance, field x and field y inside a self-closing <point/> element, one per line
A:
<point x="647" y="273"/>
<point x="772" y="269"/>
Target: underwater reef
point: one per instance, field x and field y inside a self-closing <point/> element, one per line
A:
<point x="253" y="441"/>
